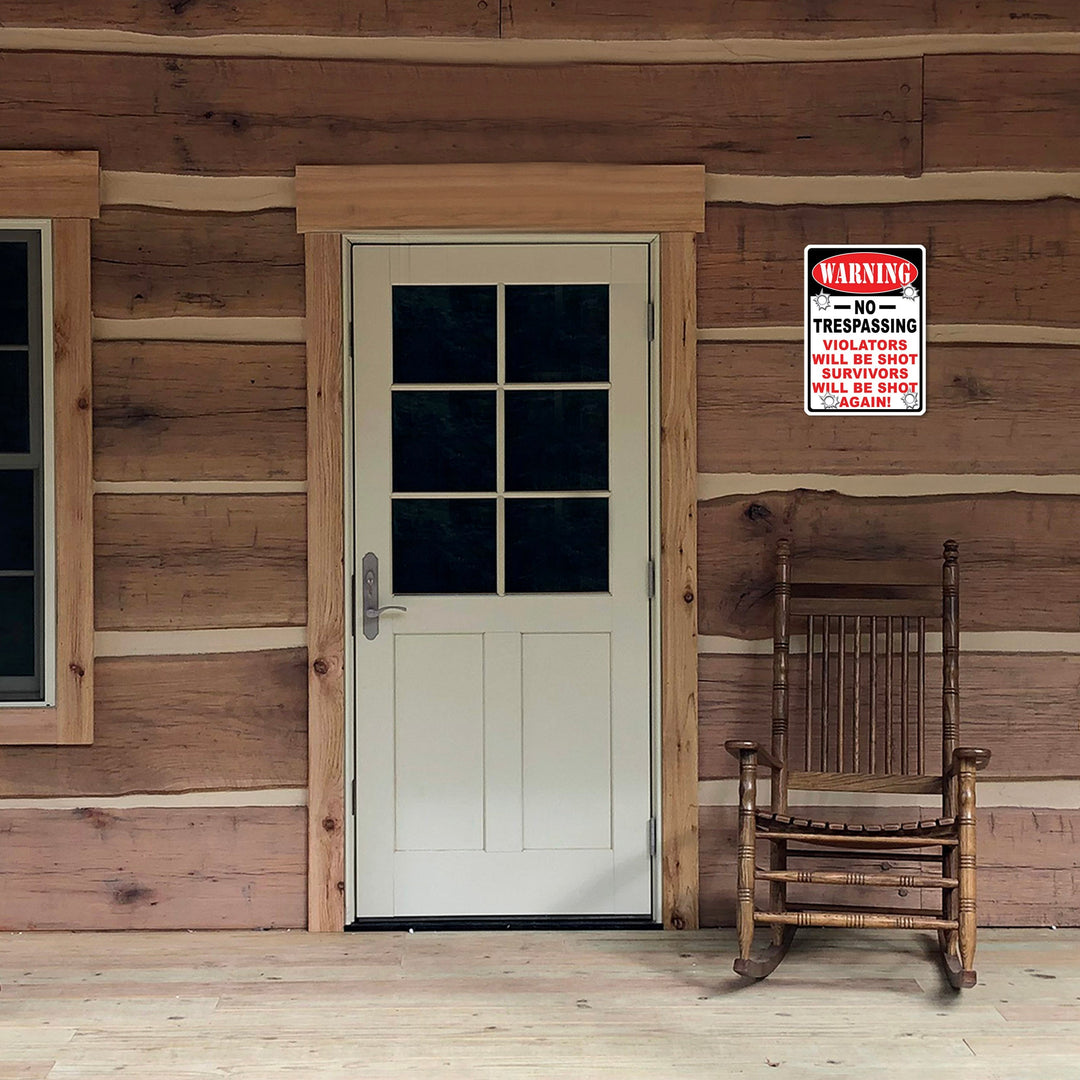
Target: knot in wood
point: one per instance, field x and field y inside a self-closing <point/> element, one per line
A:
<point x="678" y="922"/>
<point x="340" y="886"/>
<point x="77" y="670"/>
<point x="321" y="666"/>
<point x="83" y="402"/>
<point x="688" y="596"/>
<point x="329" y="824"/>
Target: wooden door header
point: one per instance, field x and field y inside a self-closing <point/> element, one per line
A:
<point x="49" y="183"/>
<point x="547" y="197"/>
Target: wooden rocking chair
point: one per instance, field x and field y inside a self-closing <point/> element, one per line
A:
<point x="863" y="704"/>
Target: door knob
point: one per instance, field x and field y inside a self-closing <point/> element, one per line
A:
<point x="375" y="612"/>
<point x="369" y="600"/>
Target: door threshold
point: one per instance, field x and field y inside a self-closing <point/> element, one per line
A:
<point x="505" y="922"/>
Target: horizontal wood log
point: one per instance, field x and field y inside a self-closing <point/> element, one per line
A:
<point x="187" y="562"/>
<point x="1022" y="269"/>
<point x="255" y="116"/>
<point x="1001" y="112"/>
<point x="1024" y="707"/>
<point x="166" y="410"/>
<point x="352" y="18"/>
<point x="1018" y="561"/>
<point x="1027" y="870"/>
<point x="643" y="19"/>
<point x="232" y="721"/>
<point x="153" y="869"/>
<point x="159" y="263"/>
<point x="996" y="409"/>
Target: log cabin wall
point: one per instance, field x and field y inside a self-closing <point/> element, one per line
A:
<point x="947" y="123"/>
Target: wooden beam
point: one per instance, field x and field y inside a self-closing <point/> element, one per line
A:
<point x="1037" y="592"/>
<point x="326" y="584"/>
<point x="49" y="184"/>
<point x="153" y="869"/>
<point x="232" y="116"/>
<point x="678" y="581"/>
<point x="186" y="562"/>
<point x="750" y="261"/>
<point x="167" y="411"/>
<point x="231" y="721"/>
<point x="1005" y="409"/>
<point x="551" y="197"/>
<point x="161" y="263"/>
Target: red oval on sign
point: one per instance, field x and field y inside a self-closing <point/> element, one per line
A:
<point x="865" y="272"/>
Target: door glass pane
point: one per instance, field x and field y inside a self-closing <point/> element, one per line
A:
<point x="14" y="307"/>
<point x="557" y="333"/>
<point x="444" y="333"/>
<point x="17" y="631"/>
<point x="16" y="520"/>
<point x="444" y="440"/>
<point x="14" y="402"/>
<point x="444" y="546"/>
<point x="556" y="545"/>
<point x="556" y="440"/>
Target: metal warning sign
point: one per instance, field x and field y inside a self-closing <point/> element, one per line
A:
<point x="865" y="330"/>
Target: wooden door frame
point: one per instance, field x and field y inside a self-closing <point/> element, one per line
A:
<point x="541" y="199"/>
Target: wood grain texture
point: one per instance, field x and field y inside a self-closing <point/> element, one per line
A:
<point x="325" y="585"/>
<point x="750" y="261"/>
<point x="643" y="19"/>
<point x="146" y="869"/>
<point x="1022" y="706"/>
<point x="231" y="721"/>
<point x="161" y="263"/>
<point x="254" y="116"/>
<point x="562" y="197"/>
<point x="198" y="411"/>
<point x="996" y="112"/>
<point x="351" y="18"/>
<point x="71" y="719"/>
<point x="1027" y="872"/>
<point x="1005" y="409"/>
<point x="678" y="582"/>
<point x="186" y="562"/>
<point x="1018" y="562"/>
<point x="49" y="184"/>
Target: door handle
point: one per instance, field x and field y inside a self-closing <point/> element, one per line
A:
<point x="369" y="597"/>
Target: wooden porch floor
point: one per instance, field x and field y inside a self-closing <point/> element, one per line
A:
<point x="622" y="1006"/>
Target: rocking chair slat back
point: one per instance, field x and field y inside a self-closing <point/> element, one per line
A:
<point x="860" y="678"/>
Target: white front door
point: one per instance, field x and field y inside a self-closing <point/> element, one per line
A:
<point x="502" y="704"/>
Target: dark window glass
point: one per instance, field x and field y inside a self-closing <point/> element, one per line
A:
<point x="18" y="636"/>
<point x="556" y="545"/>
<point x="14" y="294"/>
<point x="557" y="333"/>
<point x="445" y="333"/>
<point x="444" y="546"/>
<point x="14" y="402"/>
<point x="16" y="520"/>
<point x="556" y="440"/>
<point x="444" y="440"/>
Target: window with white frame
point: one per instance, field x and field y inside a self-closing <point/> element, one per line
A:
<point x="27" y="606"/>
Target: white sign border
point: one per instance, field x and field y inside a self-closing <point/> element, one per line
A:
<point x="869" y="247"/>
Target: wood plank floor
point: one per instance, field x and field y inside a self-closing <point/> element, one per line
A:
<point x="265" y="1006"/>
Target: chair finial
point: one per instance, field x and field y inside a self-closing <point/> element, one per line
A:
<point x="952" y="551"/>
<point x="783" y="549"/>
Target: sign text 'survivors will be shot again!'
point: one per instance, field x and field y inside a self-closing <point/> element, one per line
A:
<point x="865" y="330"/>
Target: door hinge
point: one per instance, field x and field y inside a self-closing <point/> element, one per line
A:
<point x="352" y="605"/>
<point x="650" y="584"/>
<point x="652" y="837"/>
<point x="352" y="342"/>
<point x="651" y="320"/>
<point x="353" y="786"/>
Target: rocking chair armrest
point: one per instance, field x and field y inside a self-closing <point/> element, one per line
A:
<point x="737" y="747"/>
<point x="980" y="757"/>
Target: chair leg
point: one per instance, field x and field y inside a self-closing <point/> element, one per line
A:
<point x="747" y="853"/>
<point x="778" y="889"/>
<point x="966" y="859"/>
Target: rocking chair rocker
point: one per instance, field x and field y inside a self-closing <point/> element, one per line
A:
<point x="865" y="730"/>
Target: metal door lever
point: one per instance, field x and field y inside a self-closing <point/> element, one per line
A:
<point x="369" y="599"/>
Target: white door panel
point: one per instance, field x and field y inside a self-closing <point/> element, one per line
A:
<point x="502" y="728"/>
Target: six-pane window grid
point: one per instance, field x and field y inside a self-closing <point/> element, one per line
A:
<point x="500" y="438"/>
<point x="21" y="468"/>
